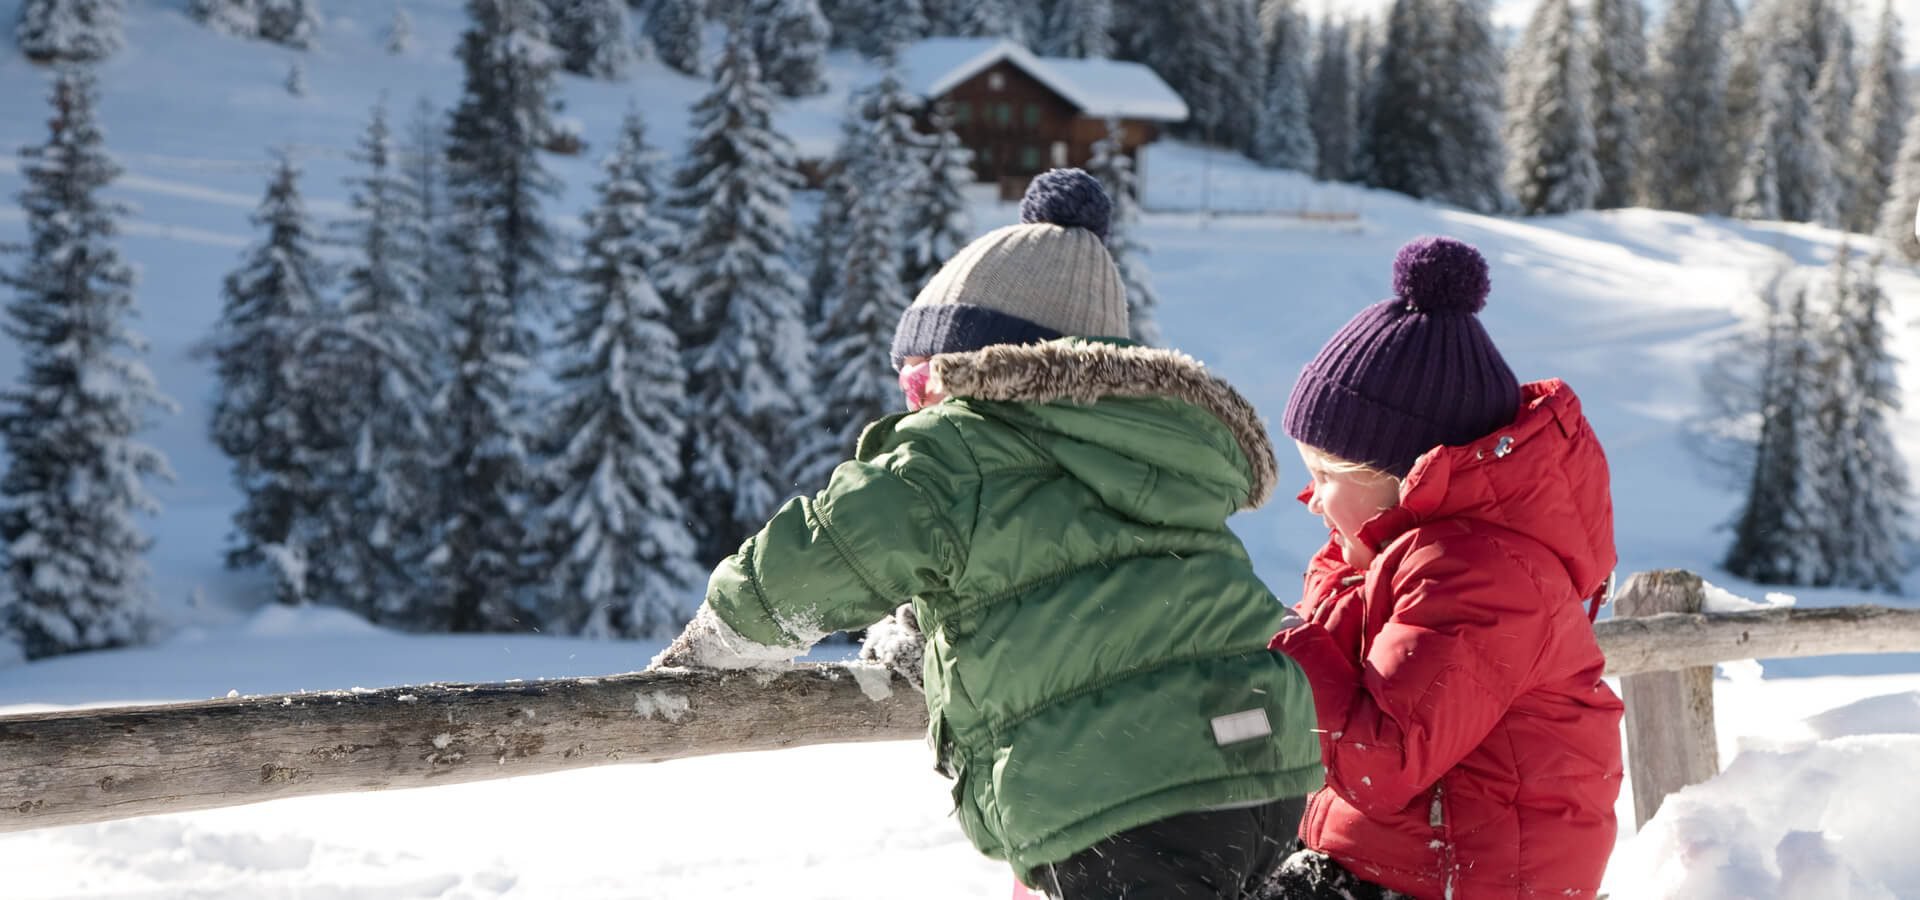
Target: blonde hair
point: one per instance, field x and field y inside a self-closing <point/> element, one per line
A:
<point x="1319" y="460"/>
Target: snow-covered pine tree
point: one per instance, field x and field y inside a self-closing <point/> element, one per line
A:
<point x="1079" y="29"/>
<point x="1367" y="37"/>
<point x="400" y="32"/>
<point x="422" y="165"/>
<point x="1803" y="43"/>
<point x="1838" y="81"/>
<point x="1205" y="50"/>
<point x="1897" y="212"/>
<point x="739" y="308"/>
<point x="619" y="536"/>
<point x="854" y="379"/>
<point x="240" y="18"/>
<point x="69" y="31"/>
<point x="674" y="28"/>
<point x="1777" y="535"/>
<point x="936" y="222"/>
<point x="1284" y="135"/>
<point x="289" y="22"/>
<point x="75" y="478"/>
<point x="591" y="36"/>
<point x="1551" y="166"/>
<point x="978" y="18"/>
<point x="1617" y="53"/>
<point x="476" y="567"/>
<point x="377" y="355"/>
<point x="889" y="25"/>
<point x="1757" y="193"/>
<point x="845" y="19"/>
<point x="267" y="414"/>
<point x="1789" y="122"/>
<point x="1114" y="168"/>
<point x="1473" y="157"/>
<point x="1873" y="137"/>
<point x="494" y="173"/>
<point x="1868" y="489"/>
<point x="790" y="43"/>
<point x="1685" y="114"/>
<point x="1404" y="131"/>
<point x="869" y="290"/>
<point x="1333" y="103"/>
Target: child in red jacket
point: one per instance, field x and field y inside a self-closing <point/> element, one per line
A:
<point x="1472" y="750"/>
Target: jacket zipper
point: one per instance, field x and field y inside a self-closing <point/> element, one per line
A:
<point x="1437" y="817"/>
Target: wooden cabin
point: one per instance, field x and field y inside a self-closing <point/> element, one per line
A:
<point x="1022" y="114"/>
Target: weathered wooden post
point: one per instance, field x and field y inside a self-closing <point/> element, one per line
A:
<point x="1670" y="734"/>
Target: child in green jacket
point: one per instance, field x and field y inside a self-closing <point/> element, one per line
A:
<point x="1096" y="668"/>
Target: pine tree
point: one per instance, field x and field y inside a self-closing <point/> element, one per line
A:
<point x="625" y="555"/>
<point x="239" y="18"/>
<point x="1205" y="50"/>
<point x="494" y="173"/>
<point x="674" y="27"/>
<point x="1757" y="193"/>
<point x="377" y="355"/>
<point x="937" y="223"/>
<point x="1617" y="53"/>
<point x="1898" y="213"/>
<point x="477" y="567"/>
<point x="1285" y="136"/>
<point x="869" y="291"/>
<point x="889" y="25"/>
<point x="978" y="18"/>
<point x="1367" y="38"/>
<point x="69" y="31"/>
<point x="1549" y="134"/>
<point x="268" y="413"/>
<point x="289" y="22"/>
<point x="591" y="36"/>
<point x="1079" y="29"/>
<point x="845" y="20"/>
<point x="75" y="477"/>
<point x="739" y="309"/>
<point x="1686" y="117"/>
<point x="1873" y="137"/>
<point x="1404" y="133"/>
<point x="1333" y="105"/>
<point x="1777" y="535"/>
<point x="790" y="43"/>
<point x="400" y="32"/>
<point x="1472" y="157"/>
<point x="1866" y="477"/>
<point x="1805" y="45"/>
<point x="1114" y="168"/>
<point x="1788" y="133"/>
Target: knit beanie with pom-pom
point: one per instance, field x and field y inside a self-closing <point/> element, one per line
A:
<point x="1410" y="373"/>
<point x="1048" y="277"/>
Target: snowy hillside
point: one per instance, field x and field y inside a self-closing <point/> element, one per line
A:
<point x="1623" y="305"/>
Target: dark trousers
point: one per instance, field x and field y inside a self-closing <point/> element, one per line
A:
<point x="1224" y="853"/>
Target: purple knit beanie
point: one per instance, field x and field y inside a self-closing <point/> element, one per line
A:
<point x="1410" y="373"/>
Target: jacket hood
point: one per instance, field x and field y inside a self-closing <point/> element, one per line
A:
<point x="1123" y="416"/>
<point x="1544" y="476"/>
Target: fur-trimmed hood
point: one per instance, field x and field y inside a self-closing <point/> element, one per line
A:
<point x="1084" y="372"/>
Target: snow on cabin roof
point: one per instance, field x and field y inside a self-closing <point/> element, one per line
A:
<point x="1101" y="88"/>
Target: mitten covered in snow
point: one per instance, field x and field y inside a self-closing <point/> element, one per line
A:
<point x="895" y="642"/>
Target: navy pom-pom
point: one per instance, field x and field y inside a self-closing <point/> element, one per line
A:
<point x="1069" y="198"/>
<point x="1441" y="275"/>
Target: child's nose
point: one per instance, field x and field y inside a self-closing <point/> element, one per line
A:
<point x="1314" y="505"/>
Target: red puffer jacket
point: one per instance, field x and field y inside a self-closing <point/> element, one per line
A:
<point x="1472" y="750"/>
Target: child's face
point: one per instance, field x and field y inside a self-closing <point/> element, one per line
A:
<point x="1347" y="500"/>
<point x="914" y="374"/>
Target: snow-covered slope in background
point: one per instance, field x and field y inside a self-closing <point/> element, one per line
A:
<point x="1624" y="305"/>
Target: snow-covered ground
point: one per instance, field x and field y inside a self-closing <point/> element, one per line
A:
<point x="1820" y="797"/>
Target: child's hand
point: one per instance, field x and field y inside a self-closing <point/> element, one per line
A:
<point x="896" y="642"/>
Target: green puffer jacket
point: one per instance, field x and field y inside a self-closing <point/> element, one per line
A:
<point x="1096" y="640"/>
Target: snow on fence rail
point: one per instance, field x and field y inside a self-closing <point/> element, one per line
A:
<point x="91" y="765"/>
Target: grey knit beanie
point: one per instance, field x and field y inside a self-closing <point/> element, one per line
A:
<point x="1048" y="277"/>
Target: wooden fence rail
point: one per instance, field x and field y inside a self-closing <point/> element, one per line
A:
<point x="93" y="765"/>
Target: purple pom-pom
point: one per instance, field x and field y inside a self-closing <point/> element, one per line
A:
<point x="1441" y="275"/>
<point x="1069" y="198"/>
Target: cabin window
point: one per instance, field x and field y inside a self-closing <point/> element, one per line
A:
<point x="962" y="113"/>
<point x="1030" y="158"/>
<point x="1032" y="115"/>
<point x="1003" y="114"/>
<point x="996" y="81"/>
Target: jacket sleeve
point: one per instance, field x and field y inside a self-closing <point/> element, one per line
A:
<point x="1467" y="627"/>
<point x="893" y="523"/>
